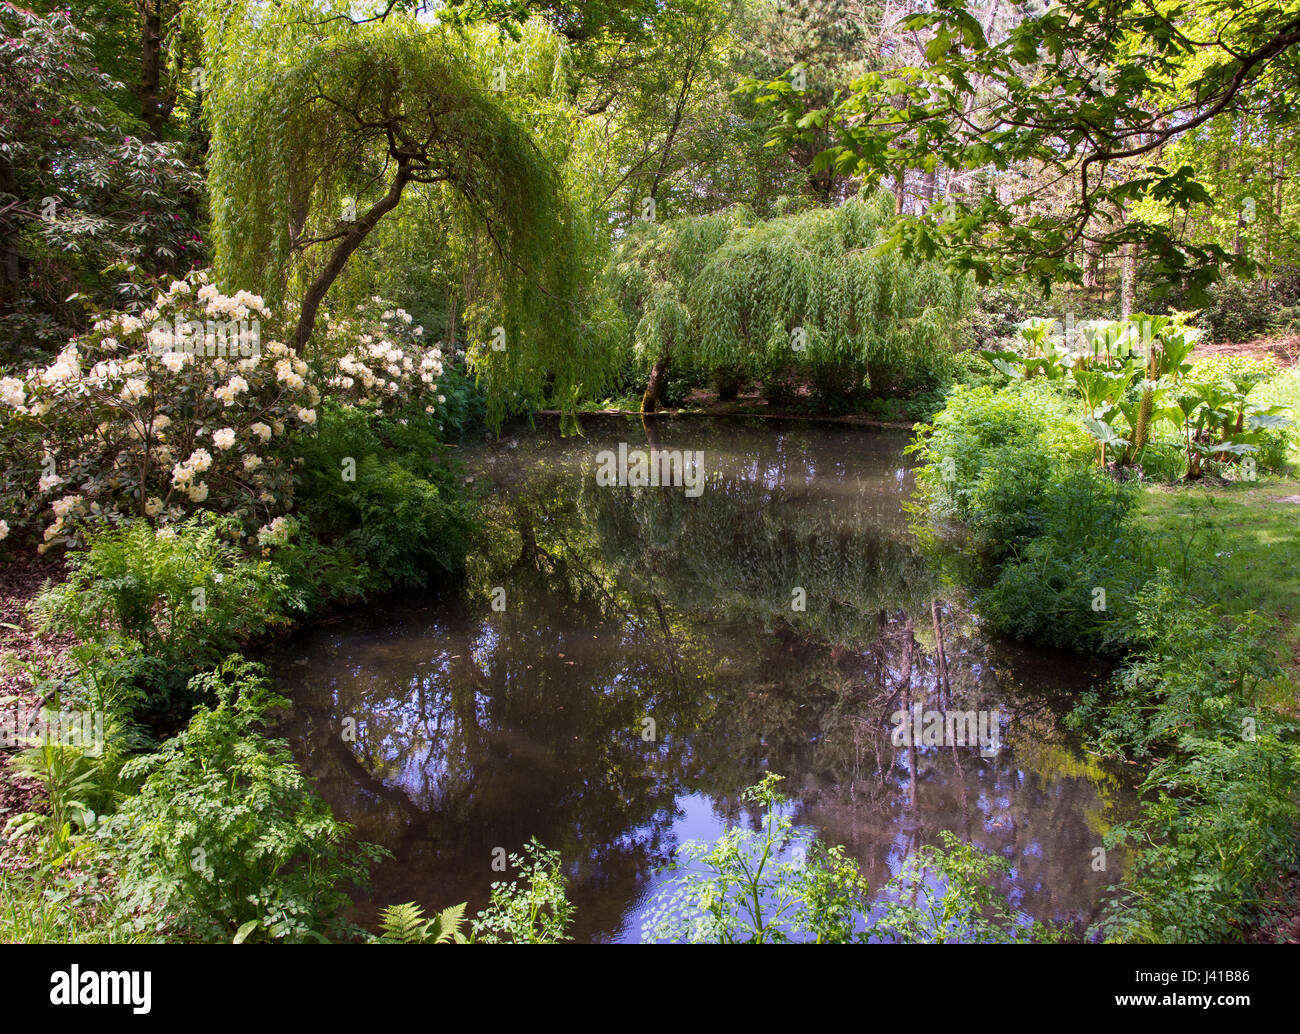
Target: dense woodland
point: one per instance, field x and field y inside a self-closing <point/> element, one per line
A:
<point x="265" y="265"/>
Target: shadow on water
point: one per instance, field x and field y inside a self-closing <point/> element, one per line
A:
<point x="623" y="661"/>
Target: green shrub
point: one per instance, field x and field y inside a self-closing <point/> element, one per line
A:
<point x="776" y="885"/>
<point x="1206" y="675"/>
<point x="739" y="890"/>
<point x="538" y="912"/>
<point x="315" y="572"/>
<point x="728" y="379"/>
<point x="183" y="596"/>
<point x="186" y="591"/>
<point x="1072" y="585"/>
<point x="944" y="895"/>
<point x="381" y="491"/>
<point x="1240" y="310"/>
<point x="1221" y="827"/>
<point x="990" y="454"/>
<point x="838" y="386"/>
<point x="226" y="837"/>
<point x="116" y="427"/>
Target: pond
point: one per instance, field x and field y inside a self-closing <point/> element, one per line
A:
<point x="622" y="660"/>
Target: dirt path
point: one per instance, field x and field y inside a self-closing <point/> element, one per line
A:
<point x="1284" y="349"/>
<point x="21" y="579"/>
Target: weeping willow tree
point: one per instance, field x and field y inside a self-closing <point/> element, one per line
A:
<point x="808" y="292"/>
<point x="322" y="127"/>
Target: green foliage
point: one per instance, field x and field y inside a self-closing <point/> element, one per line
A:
<point x="1242" y="310"/>
<point x="48" y="903"/>
<point x="184" y="595"/>
<point x="1206" y="674"/>
<point x="804" y="295"/>
<point x="405" y="924"/>
<point x="84" y="192"/>
<point x="944" y="895"/>
<point x="1061" y="93"/>
<point x="143" y="421"/>
<point x="534" y="912"/>
<point x="293" y="91"/>
<point x="1085" y="540"/>
<point x="226" y="837"/>
<point x="1190" y="696"/>
<point x="989" y="456"/>
<point x="404" y="515"/>
<point x="408" y="525"/>
<point x="739" y="889"/>
<point x="775" y="885"/>
<point x="1123" y="370"/>
<point x="1220" y="824"/>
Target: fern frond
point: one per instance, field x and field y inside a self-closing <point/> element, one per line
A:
<point x="404" y="924"/>
<point x="445" y="927"/>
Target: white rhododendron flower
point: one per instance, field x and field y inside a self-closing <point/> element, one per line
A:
<point x="277" y="533"/>
<point x="224" y="439"/>
<point x="261" y="430"/>
<point x="198" y="492"/>
<point x="62" y="507"/>
<point x="12" y="391"/>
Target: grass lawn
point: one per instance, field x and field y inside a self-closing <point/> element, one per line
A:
<point x="1253" y="532"/>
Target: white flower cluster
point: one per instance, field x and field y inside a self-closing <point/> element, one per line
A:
<point x="386" y="364"/>
<point x="235" y="307"/>
<point x="114" y="408"/>
<point x="278" y="532"/>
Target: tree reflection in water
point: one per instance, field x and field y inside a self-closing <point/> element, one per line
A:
<point x="444" y="729"/>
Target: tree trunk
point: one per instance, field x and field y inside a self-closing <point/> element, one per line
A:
<point x="927" y="190"/>
<point x="654" y="390"/>
<point x="151" y="100"/>
<point x="910" y="634"/>
<point x="350" y="242"/>
<point x="1089" y="264"/>
<point x="1128" y="285"/>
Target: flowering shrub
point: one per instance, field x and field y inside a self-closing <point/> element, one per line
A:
<point x="383" y="364"/>
<point x="133" y="418"/>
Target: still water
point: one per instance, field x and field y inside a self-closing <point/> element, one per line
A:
<point x="621" y="662"/>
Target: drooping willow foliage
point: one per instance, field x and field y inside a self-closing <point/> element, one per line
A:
<point x="319" y="124"/>
<point x="806" y="291"/>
